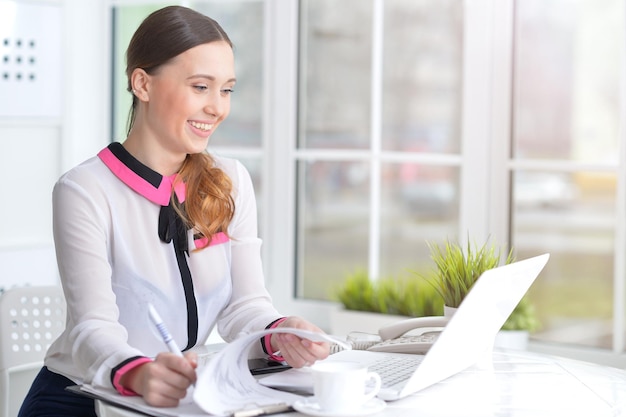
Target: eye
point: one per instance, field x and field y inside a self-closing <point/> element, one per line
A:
<point x="227" y="90"/>
<point x="200" y="87"/>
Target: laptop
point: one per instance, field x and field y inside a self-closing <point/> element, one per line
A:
<point x="465" y="340"/>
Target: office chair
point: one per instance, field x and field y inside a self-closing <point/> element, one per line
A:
<point x="30" y="320"/>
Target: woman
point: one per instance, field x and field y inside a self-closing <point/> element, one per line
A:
<point x="157" y="220"/>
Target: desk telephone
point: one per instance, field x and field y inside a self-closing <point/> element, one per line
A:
<point x="414" y="335"/>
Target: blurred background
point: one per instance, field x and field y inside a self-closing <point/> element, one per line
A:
<point x="370" y="128"/>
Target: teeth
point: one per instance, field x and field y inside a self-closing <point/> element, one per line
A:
<point x="202" y="126"/>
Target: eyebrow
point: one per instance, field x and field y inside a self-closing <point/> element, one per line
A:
<point x="209" y="77"/>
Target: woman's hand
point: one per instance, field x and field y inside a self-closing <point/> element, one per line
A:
<point x="164" y="381"/>
<point x="296" y="351"/>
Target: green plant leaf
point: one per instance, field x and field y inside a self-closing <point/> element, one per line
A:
<point x="407" y="297"/>
<point x="456" y="270"/>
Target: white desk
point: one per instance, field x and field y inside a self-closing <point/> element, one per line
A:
<point x="514" y="384"/>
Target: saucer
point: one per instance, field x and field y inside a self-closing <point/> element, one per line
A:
<point x="310" y="407"/>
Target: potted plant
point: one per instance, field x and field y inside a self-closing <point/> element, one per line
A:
<point x="457" y="268"/>
<point x="515" y="332"/>
<point x="367" y="305"/>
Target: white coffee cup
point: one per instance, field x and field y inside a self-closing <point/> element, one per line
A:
<point x="341" y="386"/>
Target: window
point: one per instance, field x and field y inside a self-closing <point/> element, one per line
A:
<point x="421" y="121"/>
<point x="379" y="137"/>
<point x="567" y="112"/>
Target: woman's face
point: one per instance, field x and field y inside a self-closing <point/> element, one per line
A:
<point x="189" y="97"/>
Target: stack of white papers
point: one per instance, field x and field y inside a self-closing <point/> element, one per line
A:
<point x="225" y="386"/>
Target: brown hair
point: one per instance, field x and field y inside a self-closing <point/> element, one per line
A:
<point x="163" y="35"/>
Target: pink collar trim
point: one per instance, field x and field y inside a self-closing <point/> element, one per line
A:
<point x="159" y="195"/>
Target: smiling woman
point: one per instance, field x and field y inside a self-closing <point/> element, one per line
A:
<point x="158" y="220"/>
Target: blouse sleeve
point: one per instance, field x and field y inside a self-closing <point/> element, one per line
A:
<point x="95" y="338"/>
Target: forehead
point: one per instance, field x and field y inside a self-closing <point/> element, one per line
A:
<point x="214" y="59"/>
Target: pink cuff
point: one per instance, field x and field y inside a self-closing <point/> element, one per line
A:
<point x="123" y="370"/>
<point x="267" y="340"/>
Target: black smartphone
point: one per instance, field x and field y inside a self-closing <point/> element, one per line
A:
<point x="265" y="366"/>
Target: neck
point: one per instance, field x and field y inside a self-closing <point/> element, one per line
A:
<point x="152" y="155"/>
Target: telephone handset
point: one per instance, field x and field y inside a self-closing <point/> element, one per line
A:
<point x="423" y="332"/>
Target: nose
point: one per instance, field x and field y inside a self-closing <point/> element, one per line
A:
<point x="217" y="105"/>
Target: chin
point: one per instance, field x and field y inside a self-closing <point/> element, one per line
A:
<point x="198" y="146"/>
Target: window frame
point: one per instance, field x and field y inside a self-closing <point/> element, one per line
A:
<point x="282" y="128"/>
<point x="485" y="158"/>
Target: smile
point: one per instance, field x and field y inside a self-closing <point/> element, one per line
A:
<point x="201" y="126"/>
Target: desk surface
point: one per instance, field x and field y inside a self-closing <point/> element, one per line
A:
<point x="515" y="384"/>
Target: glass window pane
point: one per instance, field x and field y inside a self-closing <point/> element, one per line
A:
<point x="334" y="97"/>
<point x="567" y="79"/>
<point x="333" y="201"/>
<point x="567" y="106"/>
<point x="422" y="75"/>
<point x="572" y="217"/>
<point x="126" y="20"/>
<point x="420" y="205"/>
<point x="244" y="23"/>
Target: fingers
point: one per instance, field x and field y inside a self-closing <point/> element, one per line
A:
<point x="166" y="381"/>
<point x="296" y="351"/>
<point x="192" y="358"/>
<point x="163" y="393"/>
<point x="180" y="366"/>
<point x="300" y="352"/>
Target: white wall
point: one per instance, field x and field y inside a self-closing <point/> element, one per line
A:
<point x="37" y="146"/>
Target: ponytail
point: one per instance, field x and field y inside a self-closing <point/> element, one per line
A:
<point x="209" y="206"/>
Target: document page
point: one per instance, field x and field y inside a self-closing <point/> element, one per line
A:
<point x="225" y="385"/>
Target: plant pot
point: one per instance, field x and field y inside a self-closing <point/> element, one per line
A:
<point x="343" y="322"/>
<point x="505" y="339"/>
<point x="449" y="311"/>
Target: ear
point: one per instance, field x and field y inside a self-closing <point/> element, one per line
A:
<point x="139" y="80"/>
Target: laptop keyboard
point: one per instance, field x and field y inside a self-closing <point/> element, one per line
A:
<point x="393" y="370"/>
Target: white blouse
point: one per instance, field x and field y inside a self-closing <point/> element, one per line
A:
<point x="112" y="264"/>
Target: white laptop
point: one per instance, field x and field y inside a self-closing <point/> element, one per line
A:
<point x="467" y="337"/>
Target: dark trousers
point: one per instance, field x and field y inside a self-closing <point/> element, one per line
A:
<point x="48" y="398"/>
